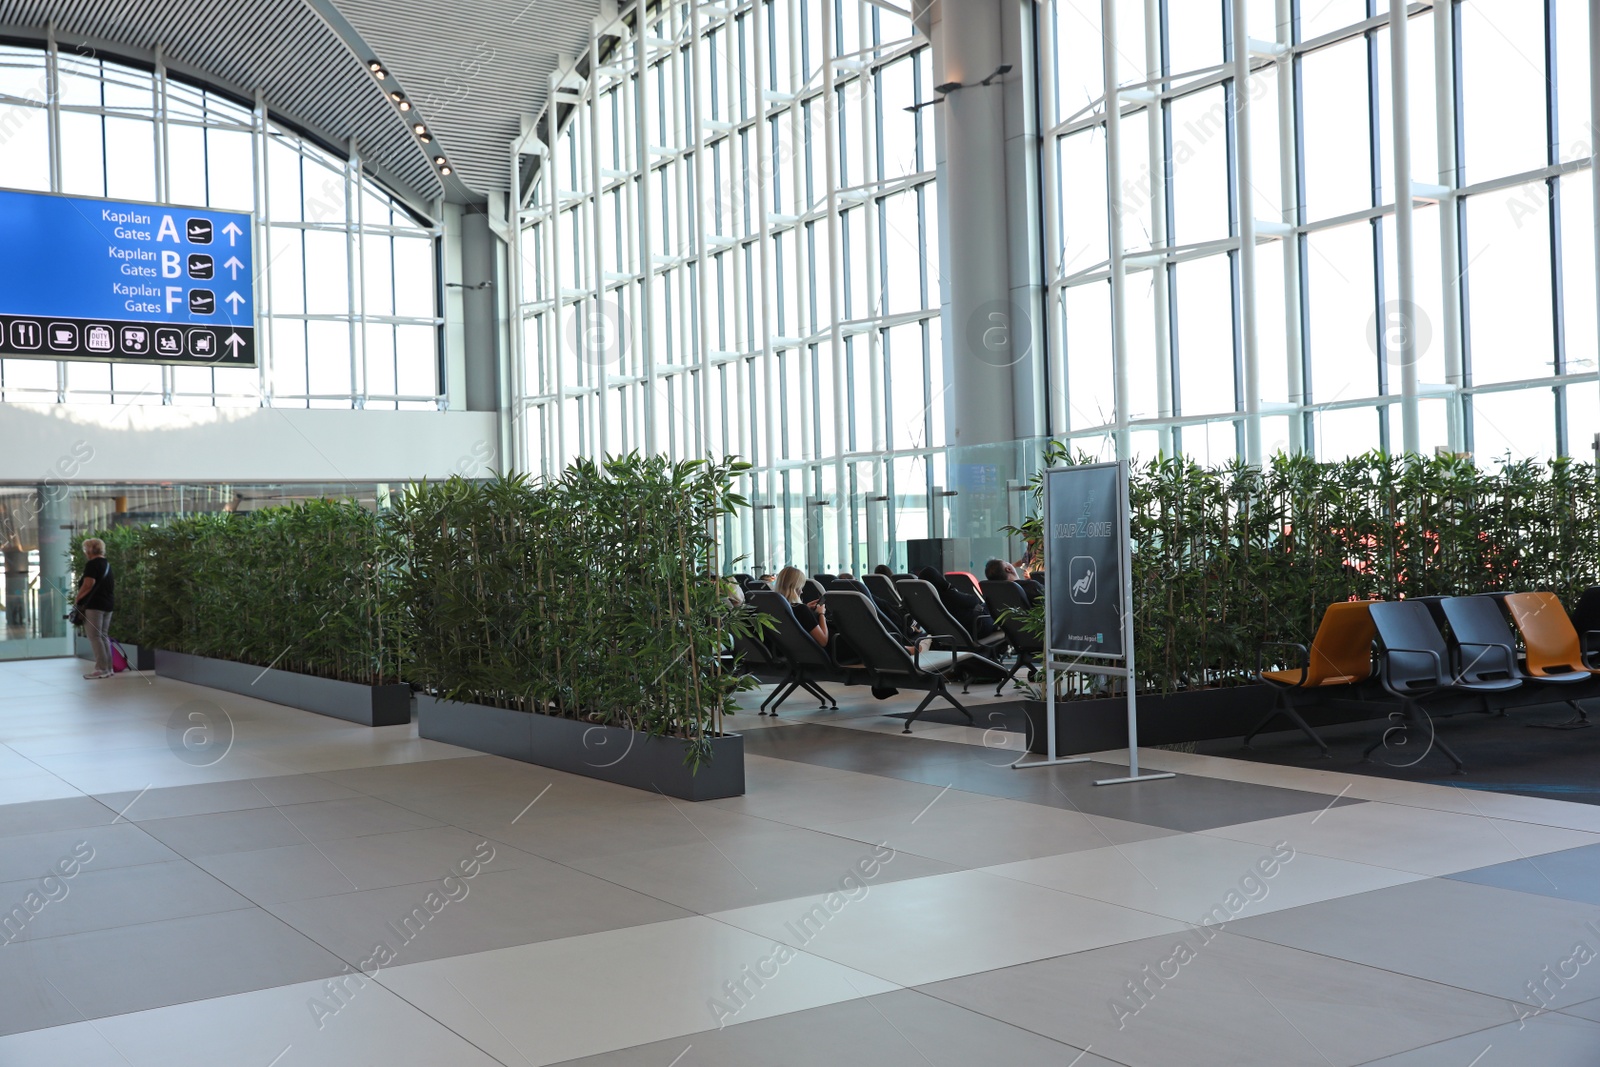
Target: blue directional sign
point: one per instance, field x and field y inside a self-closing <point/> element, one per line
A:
<point x="133" y="283"/>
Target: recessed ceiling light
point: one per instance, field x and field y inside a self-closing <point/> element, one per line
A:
<point x="444" y="170"/>
<point x="420" y="129"/>
<point x="439" y="160"/>
<point x="377" y="70"/>
<point x="405" y="105"/>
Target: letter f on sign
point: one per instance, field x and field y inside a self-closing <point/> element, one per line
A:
<point x="174" y="297"/>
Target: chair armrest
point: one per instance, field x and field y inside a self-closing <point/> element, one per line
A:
<point x="1510" y="653"/>
<point x="1438" y="664"/>
<point x="1589" y="640"/>
<point x="1305" y="657"/>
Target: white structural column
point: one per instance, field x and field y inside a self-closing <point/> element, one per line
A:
<point x="1400" y="98"/>
<point x="979" y="326"/>
<point x="1289" y="196"/>
<point x="701" y="227"/>
<point x="552" y="245"/>
<point x="1119" y="266"/>
<point x="1155" y="133"/>
<point x="765" y="318"/>
<point x="1594" y="158"/>
<point x="830" y="129"/>
<point x="644" y="249"/>
<point x="1246" y="201"/>
<point x="1444" y="65"/>
<point x="595" y="325"/>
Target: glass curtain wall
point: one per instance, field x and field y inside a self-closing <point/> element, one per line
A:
<point x="1313" y="334"/>
<point x="730" y="247"/>
<point x="349" y="308"/>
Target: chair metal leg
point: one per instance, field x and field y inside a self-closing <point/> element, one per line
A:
<point x="1288" y="711"/>
<point x="920" y="709"/>
<point x="776" y="691"/>
<point x="783" y="695"/>
<point x="821" y="694"/>
<point x="1577" y="722"/>
<point x="1413" y="716"/>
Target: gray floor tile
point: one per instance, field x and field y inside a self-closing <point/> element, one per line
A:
<point x="1234" y="1003"/>
<point x="565" y="836"/>
<point x="1188" y="803"/>
<point x="258" y="828"/>
<point x="68" y="813"/>
<point x="739" y="872"/>
<point x="1571" y="875"/>
<point x="903" y="1029"/>
<point x="211" y="797"/>
<point x="100" y="847"/>
<point x="112" y="972"/>
<point x="497" y="910"/>
<point x="121" y="896"/>
<point x="1476" y="937"/>
<point x="1553" y="1040"/>
<point x="351" y="864"/>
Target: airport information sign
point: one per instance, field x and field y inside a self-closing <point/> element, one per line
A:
<point x="82" y="278"/>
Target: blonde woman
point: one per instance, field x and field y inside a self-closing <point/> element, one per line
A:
<point x="788" y="585"/>
<point x="95" y="601"/>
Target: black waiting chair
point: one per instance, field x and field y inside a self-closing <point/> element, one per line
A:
<point x="881" y="587"/>
<point x="928" y="611"/>
<point x="1487" y="650"/>
<point x="808" y="663"/>
<point x="1586" y="620"/>
<point x="1008" y="602"/>
<point x="962" y="582"/>
<point x="751" y="655"/>
<point x="1415" y="663"/>
<point x="887" y="663"/>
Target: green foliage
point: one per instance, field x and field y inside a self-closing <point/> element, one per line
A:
<point x="1226" y="558"/>
<point x="299" y="588"/>
<point x="591" y="597"/>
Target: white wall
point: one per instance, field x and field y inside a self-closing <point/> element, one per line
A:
<point x="96" y="443"/>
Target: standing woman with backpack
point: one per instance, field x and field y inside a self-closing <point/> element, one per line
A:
<point x="95" y="602"/>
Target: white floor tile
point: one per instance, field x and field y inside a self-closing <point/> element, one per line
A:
<point x="929" y="929"/>
<point x="1418" y="840"/>
<point x="557" y="1000"/>
<point x="1189" y="876"/>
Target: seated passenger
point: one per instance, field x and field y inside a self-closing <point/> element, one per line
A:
<point x="967" y="609"/>
<point x="790" y="583"/>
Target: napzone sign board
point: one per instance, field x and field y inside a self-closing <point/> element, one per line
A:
<point x="125" y="282"/>
<point x="1085" y="555"/>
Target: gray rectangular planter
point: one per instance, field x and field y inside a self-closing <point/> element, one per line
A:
<point x="140" y="659"/>
<point x="609" y="753"/>
<point x="369" y="705"/>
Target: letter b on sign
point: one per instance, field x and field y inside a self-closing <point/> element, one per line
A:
<point x="169" y="264"/>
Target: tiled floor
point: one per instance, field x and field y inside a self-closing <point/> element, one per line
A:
<point x="321" y="893"/>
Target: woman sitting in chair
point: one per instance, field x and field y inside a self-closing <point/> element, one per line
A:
<point x="809" y="615"/>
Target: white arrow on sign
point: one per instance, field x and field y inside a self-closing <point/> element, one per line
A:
<point x="234" y="265"/>
<point x="233" y="300"/>
<point x="235" y="342"/>
<point x="233" y="232"/>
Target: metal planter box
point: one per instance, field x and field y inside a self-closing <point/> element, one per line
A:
<point x="610" y="753"/>
<point x="369" y="705"/>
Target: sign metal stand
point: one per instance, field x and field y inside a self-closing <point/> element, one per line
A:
<point x="1060" y="576"/>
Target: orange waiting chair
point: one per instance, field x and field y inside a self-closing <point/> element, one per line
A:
<point x="1554" y="649"/>
<point x="1340" y="655"/>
